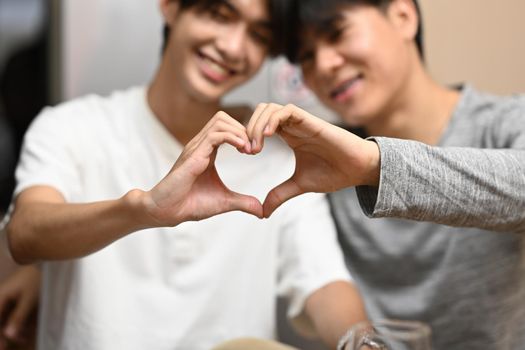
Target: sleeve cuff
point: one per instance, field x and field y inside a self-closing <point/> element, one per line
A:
<point x="377" y="201"/>
<point x="367" y="196"/>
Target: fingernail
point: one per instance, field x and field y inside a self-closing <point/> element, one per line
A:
<point x="267" y="129"/>
<point x="254" y="144"/>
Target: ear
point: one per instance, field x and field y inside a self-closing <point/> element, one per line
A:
<point x="403" y="15"/>
<point x="169" y="10"/>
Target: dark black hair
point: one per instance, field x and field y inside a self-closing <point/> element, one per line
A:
<point x="316" y="14"/>
<point x="277" y="9"/>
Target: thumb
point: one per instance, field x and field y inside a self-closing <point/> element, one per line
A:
<point x="247" y="204"/>
<point x="279" y="195"/>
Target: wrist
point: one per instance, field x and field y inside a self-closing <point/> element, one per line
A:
<point x="373" y="164"/>
<point x="138" y="204"/>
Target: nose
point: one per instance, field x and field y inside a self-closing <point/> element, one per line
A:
<point x="327" y="58"/>
<point x="232" y="42"/>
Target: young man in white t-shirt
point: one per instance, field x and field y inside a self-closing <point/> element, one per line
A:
<point x="118" y="198"/>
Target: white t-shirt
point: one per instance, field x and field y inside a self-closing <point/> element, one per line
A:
<point x="188" y="287"/>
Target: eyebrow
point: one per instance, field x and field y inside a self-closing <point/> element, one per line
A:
<point x="321" y="28"/>
<point x="266" y="24"/>
<point x="326" y="25"/>
<point x="229" y="5"/>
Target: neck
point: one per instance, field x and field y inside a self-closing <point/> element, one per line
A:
<point x="182" y="114"/>
<point x="420" y="110"/>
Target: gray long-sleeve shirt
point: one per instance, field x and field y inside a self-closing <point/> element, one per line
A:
<point x="467" y="279"/>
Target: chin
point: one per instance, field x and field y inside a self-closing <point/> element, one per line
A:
<point x="215" y="91"/>
<point x="207" y="93"/>
<point x="354" y="118"/>
<point x="358" y="113"/>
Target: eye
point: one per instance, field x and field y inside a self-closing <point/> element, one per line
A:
<point x="221" y="13"/>
<point x="261" y="36"/>
<point x="335" y="34"/>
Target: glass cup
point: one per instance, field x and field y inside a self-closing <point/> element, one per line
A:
<point x="387" y="335"/>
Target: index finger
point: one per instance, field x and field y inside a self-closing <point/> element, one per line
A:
<point x="254" y="118"/>
<point x="257" y="129"/>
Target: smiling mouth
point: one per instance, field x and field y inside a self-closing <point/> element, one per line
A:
<point x="214" y="70"/>
<point x="346" y="89"/>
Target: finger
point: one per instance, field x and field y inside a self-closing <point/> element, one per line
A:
<point x="279" y="195"/>
<point x="3" y="304"/>
<point x="287" y="117"/>
<point x="6" y="305"/>
<point x="260" y="124"/>
<point x="195" y="159"/>
<point x="278" y="118"/>
<point x="253" y="119"/>
<point x="247" y="204"/>
<point x="18" y="318"/>
<point x="215" y="139"/>
<point x="217" y="117"/>
<point x="221" y="121"/>
<point x="224" y="122"/>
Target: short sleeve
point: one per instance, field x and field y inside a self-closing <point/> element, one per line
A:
<point x="48" y="153"/>
<point x="309" y="254"/>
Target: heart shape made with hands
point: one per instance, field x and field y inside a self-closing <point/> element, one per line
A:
<point x="256" y="175"/>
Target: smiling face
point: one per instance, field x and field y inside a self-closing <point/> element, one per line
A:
<point x="360" y="62"/>
<point x="213" y="49"/>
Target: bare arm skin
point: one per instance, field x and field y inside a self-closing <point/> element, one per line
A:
<point x="334" y="309"/>
<point x="44" y="227"/>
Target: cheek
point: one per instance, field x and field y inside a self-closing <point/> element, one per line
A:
<point x="372" y="47"/>
<point x="389" y="67"/>
<point x="310" y="81"/>
<point x="386" y="53"/>
<point x="359" y="45"/>
<point x="256" y="57"/>
<point x="359" y="49"/>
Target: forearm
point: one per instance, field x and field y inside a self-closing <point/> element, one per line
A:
<point x="454" y="186"/>
<point x="334" y="309"/>
<point x="56" y="231"/>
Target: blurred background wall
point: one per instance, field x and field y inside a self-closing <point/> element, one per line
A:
<point x="479" y="41"/>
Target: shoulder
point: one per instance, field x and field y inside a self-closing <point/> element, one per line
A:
<point x="83" y="112"/>
<point x="477" y="102"/>
<point x="490" y="120"/>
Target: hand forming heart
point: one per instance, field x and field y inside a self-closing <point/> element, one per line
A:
<point x="328" y="158"/>
<point x="193" y="190"/>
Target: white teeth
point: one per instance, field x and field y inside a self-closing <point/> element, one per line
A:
<point x="340" y="89"/>
<point x="343" y="87"/>
<point x="216" y="68"/>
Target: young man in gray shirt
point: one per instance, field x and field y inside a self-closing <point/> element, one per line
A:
<point x="454" y="160"/>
